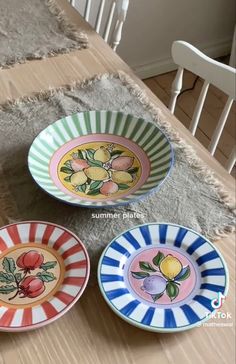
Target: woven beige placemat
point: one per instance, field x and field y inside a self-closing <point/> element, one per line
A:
<point x="191" y="196"/>
<point x="34" y="29"/>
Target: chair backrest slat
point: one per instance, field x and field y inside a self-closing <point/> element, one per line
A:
<point x="220" y="75"/>
<point x="198" y="108"/>
<point x="122" y="8"/>
<point x="109" y="21"/>
<point x="220" y="126"/>
<point x="176" y="88"/>
<point x="232" y="160"/>
<point x="99" y="16"/>
<point x="87" y="10"/>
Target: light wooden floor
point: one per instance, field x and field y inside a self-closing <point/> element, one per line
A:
<point x="161" y="86"/>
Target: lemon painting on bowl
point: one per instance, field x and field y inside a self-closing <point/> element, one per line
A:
<point x="100" y="158"/>
<point x="99" y="170"/>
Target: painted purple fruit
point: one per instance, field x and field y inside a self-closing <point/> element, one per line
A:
<point x="154" y="284"/>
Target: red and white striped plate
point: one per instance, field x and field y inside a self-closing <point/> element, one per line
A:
<point x="44" y="269"/>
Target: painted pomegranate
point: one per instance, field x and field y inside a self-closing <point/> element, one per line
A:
<point x="79" y="164"/>
<point x="122" y="163"/>
<point x="31" y="287"/>
<point x="109" y="188"/>
<point x="154" y="284"/>
<point x="30" y="260"/>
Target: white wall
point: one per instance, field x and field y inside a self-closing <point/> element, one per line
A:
<point x="152" y="26"/>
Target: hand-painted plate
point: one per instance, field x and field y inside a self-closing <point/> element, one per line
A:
<point x="44" y="269"/>
<point x="100" y="158"/>
<point x="162" y="277"/>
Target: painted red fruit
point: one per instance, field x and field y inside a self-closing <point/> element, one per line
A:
<point x="30" y="260"/>
<point x="109" y="188"/>
<point x="31" y="287"/>
<point x="122" y="163"/>
<point x="79" y="164"/>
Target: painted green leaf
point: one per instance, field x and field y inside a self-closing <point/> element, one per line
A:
<point x="66" y="170"/>
<point x="94" y="163"/>
<point x="123" y="186"/>
<point x="6" y="277"/>
<point x="9" y="265"/>
<point x="46" y="276"/>
<point x="7" y="289"/>
<point x="184" y="274"/>
<point x="156" y="297"/>
<point x="93" y="192"/>
<point x="158" y="259"/>
<point x="81" y="188"/>
<point x="172" y="290"/>
<point x="90" y="153"/>
<point x="96" y="185"/>
<point x="115" y="153"/>
<point x="48" y="265"/>
<point x="18" y="277"/>
<point x="67" y="163"/>
<point x="133" y="170"/>
<point x="67" y="178"/>
<point x="140" y="275"/>
<point x="146" y="266"/>
<point x="80" y="154"/>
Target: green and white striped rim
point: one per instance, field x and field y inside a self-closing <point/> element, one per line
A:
<point x="145" y="134"/>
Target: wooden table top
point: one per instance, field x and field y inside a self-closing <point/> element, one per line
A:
<point x="90" y="333"/>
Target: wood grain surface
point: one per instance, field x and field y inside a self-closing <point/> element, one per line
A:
<point x="91" y="333"/>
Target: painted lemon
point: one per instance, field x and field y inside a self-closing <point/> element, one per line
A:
<point x="121" y="177"/>
<point x="170" y="267"/>
<point x="96" y="173"/>
<point x="78" y="178"/>
<point x="102" y="155"/>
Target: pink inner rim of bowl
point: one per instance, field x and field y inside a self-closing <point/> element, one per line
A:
<point x="133" y="147"/>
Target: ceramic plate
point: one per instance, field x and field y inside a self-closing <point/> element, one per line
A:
<point x="162" y="277"/>
<point x="44" y="269"/>
<point x="100" y="158"/>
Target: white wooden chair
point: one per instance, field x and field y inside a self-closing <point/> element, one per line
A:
<point x="112" y="29"/>
<point x="220" y="75"/>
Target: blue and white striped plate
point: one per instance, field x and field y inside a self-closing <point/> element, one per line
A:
<point x="163" y="277"/>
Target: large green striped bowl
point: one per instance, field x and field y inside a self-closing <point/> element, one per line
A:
<point x="100" y="158"/>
